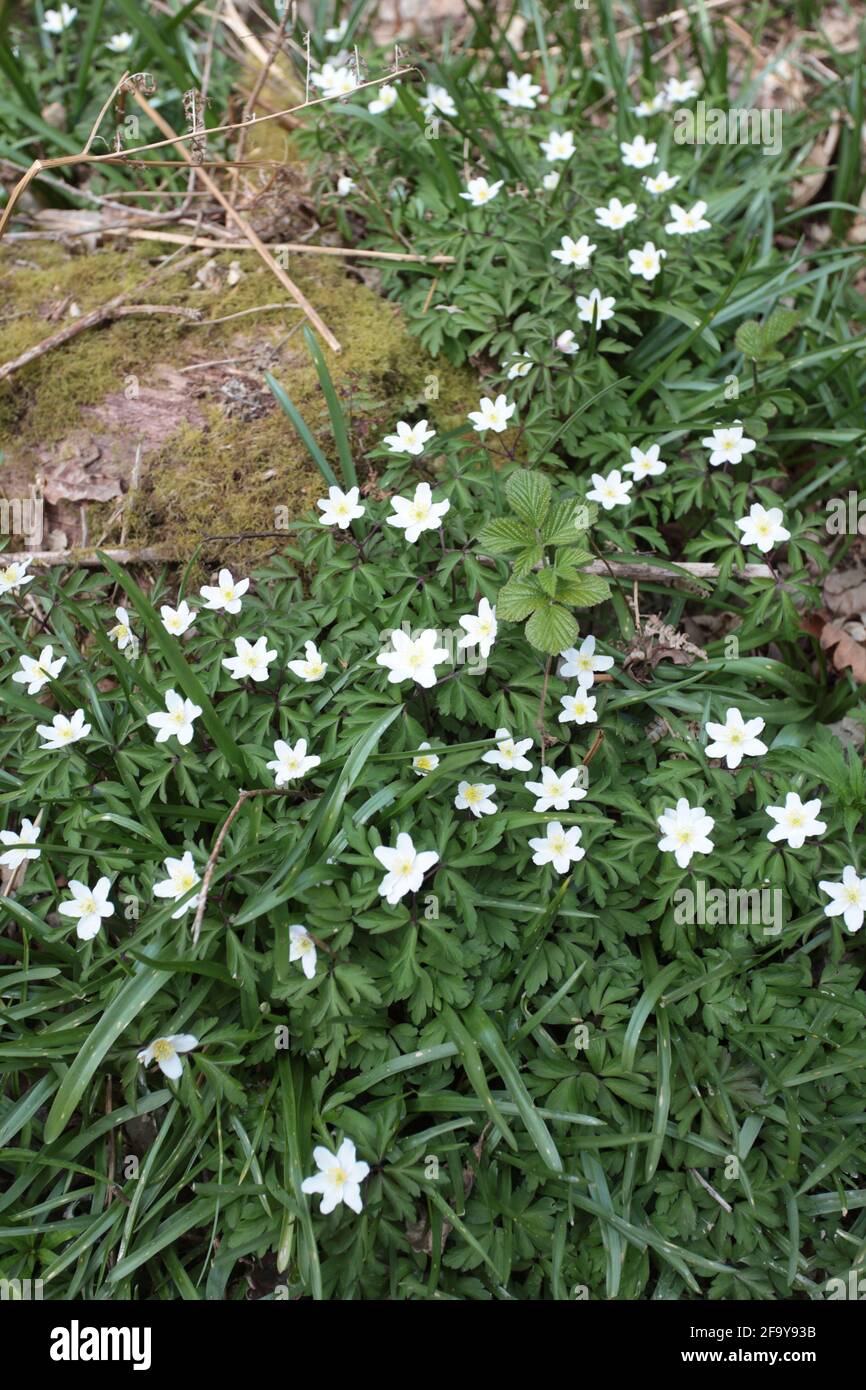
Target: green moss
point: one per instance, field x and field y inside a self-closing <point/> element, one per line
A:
<point x="230" y="474"/>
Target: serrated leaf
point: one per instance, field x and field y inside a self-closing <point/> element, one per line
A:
<point x="571" y="558"/>
<point x="528" y="494"/>
<point x="561" y="523"/>
<point x="517" y="599"/>
<point x="749" y="339"/>
<point x="547" y="580"/>
<point x="528" y="559"/>
<point x="551" y="628"/>
<point x="583" y="590"/>
<point x="504" y="534"/>
<point x="780" y="323"/>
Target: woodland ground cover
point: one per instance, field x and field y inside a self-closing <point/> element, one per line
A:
<point x="468" y="901"/>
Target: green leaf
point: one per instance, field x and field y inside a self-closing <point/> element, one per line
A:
<point x="564" y="523"/>
<point x="528" y="494"/>
<point x="517" y="599"/>
<point x="779" y="324"/>
<point x="749" y="340"/>
<point x="503" y="535"/>
<point x="551" y="628"/>
<point x="583" y="590"/>
<point x="483" y="1030"/>
<point x="335" y="411"/>
<point x="303" y="430"/>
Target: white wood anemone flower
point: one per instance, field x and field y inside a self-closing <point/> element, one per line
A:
<point x="645" y="463"/>
<point x="762" y="527"/>
<point x="578" y="708"/>
<point x="612" y="491"/>
<point x="659" y="183"/>
<point x="56" y="21"/>
<point x="558" y="145"/>
<point x="120" y="43"/>
<point x="616" y="215"/>
<point x="340" y="508"/>
<point x="27" y="835"/>
<point x="384" y="100"/>
<point x="166" y="1053"/>
<point x="177" y="720"/>
<point x="492" y="415"/>
<point x="339" y="1178"/>
<point x="480" y="629"/>
<point x="595" y="307"/>
<point x="226" y="594"/>
<point x="584" y="663"/>
<point x="418" y="514"/>
<point x="251" y="660"/>
<point x="122" y="632"/>
<point x="508" y="755"/>
<point x="646" y="261"/>
<point x="182" y="877"/>
<point x="409" y="439"/>
<point x="728" y="444"/>
<point x="795" y="821"/>
<point x="519" y="92"/>
<point x="736" y="739"/>
<point x="87" y="906"/>
<point x="848" y="898"/>
<point x="312" y="668"/>
<point x="13" y="576"/>
<point x="177" y="620"/>
<point x="685" y="222"/>
<point x="302" y="947"/>
<point x="437" y="99"/>
<point x="574" y="253"/>
<point x="424" y="762"/>
<point x="413" y="659"/>
<point x="638" y="153"/>
<point x="61" y="732"/>
<point x="558" y="847"/>
<point x="685" y="831"/>
<point x="290" y="763"/>
<point x="477" y="798"/>
<point x="334" y="81"/>
<point x="479" y="191"/>
<point x="38" y="671"/>
<point x="405" y="867"/>
<point x="556" y="790"/>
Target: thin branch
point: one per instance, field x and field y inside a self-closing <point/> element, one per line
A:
<point x="243" y="797"/>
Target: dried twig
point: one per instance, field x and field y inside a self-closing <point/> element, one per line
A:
<point x="243" y="797"/>
<point x="244" y="227"/>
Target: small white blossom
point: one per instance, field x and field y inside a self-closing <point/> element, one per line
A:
<point x="508" y="755"/>
<point x="727" y="444"/>
<point x="413" y="659"/>
<point x="578" y="708"/>
<point x="87" y="906"/>
<point x="595" y="306"/>
<point x="165" y="1052"/>
<point x="559" y="847"/>
<point x="479" y="191"/>
<point x="437" y="99"/>
<point x="565" y="342"/>
<point x="227" y="594"/>
<point x="521" y="367"/>
<point x="662" y="182"/>
<point x="684" y="223"/>
<point x="27" y="835"/>
<point x="646" y="261"/>
<point x="182" y="877"/>
<point x="56" y="21"/>
<point x="13" y="576"/>
<point x="302" y="947"/>
<point x="795" y="820"/>
<point x="337" y="32"/>
<point x="335" y="81"/>
<point x="476" y="797"/>
<point x="384" y="100"/>
<point x="551" y="180"/>
<point x="177" y="720"/>
<point x="638" y="153"/>
<point x="409" y="439"/>
<point x="480" y="629"/>
<point x="677" y="90"/>
<point x="424" y="762"/>
<point x="312" y="668"/>
<point x="519" y="91"/>
<point x="574" y="253"/>
<point x="649" y="106"/>
<point x="685" y="830"/>
<point x="345" y="186"/>
<point x="177" y="620"/>
<point x="645" y="463"/>
<point x="763" y="527"/>
<point x="419" y="514"/>
<point x="36" y="672"/>
<point x="405" y="867"/>
<point x="584" y="663"/>
<point x="736" y="739"/>
<point x="62" y="731"/>
<point x="289" y="763"/>
<point x="492" y="415"/>
<point x="120" y="43"/>
<point x="616" y="214"/>
<point x="251" y="660"/>
<point x="340" y="508"/>
<point x="609" y="492"/>
<point x="339" y="1177"/>
<point x="848" y="898"/>
<point x="556" y="790"/>
<point x="122" y="632"/>
<point x="558" y="145"/>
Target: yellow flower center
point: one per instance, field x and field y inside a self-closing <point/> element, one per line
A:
<point x="162" y="1050"/>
